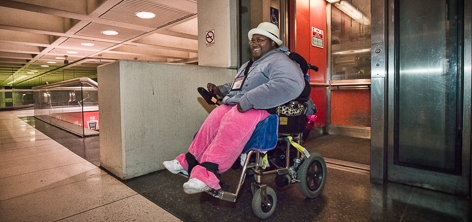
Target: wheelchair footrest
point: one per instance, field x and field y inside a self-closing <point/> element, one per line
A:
<point x="223" y="195"/>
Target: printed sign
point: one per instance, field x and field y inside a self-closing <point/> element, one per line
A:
<point x="317" y="37"/>
<point x="210" y="37"/>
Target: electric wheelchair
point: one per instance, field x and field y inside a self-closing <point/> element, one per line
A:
<point x="274" y="149"/>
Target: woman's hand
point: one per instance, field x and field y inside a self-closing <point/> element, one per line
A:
<point x="214" y="89"/>
<point x="240" y="109"/>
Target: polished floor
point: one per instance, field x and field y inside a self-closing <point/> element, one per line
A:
<point x="54" y="176"/>
<point x="42" y="180"/>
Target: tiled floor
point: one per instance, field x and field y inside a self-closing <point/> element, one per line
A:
<point x="41" y="180"/>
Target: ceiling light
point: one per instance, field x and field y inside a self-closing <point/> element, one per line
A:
<point x="54" y="62"/>
<point x="145" y="15"/>
<point x="110" y="32"/>
<point x="17" y="79"/>
<point x="30" y="73"/>
<point x="332" y="1"/>
<point x="72" y="52"/>
<point x="60" y="58"/>
<point x="352" y="12"/>
<point x="87" y="44"/>
<point x="44" y="66"/>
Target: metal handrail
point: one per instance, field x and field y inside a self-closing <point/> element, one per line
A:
<point x="348" y="84"/>
<point x="69" y="83"/>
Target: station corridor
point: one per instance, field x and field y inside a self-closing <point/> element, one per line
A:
<point x="47" y="174"/>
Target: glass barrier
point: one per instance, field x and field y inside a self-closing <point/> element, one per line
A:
<point x="71" y="105"/>
<point x="16" y="99"/>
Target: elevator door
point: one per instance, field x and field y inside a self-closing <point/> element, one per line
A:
<point x="427" y="90"/>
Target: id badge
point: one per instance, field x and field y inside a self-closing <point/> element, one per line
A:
<point x="238" y="83"/>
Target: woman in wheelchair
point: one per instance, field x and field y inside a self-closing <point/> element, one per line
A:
<point x="268" y="80"/>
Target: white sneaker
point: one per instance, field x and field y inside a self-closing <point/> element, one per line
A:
<point x="194" y="185"/>
<point x="174" y="167"/>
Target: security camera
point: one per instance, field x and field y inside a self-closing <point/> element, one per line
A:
<point x="66" y="62"/>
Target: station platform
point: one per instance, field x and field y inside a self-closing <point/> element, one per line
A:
<point x="47" y="174"/>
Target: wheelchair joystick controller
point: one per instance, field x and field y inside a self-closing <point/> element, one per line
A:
<point x="209" y="97"/>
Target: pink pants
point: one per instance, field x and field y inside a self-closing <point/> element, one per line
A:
<point x="221" y="140"/>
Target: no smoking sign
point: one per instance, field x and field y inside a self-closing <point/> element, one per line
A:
<point x="210" y="37"/>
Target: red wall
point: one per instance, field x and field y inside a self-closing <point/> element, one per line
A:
<point x="348" y="107"/>
<point x="76" y="118"/>
<point x="308" y="14"/>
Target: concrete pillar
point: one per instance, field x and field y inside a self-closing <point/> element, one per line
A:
<point x="218" y="19"/>
<point x="149" y="112"/>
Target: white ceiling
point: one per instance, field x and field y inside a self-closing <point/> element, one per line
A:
<point x="35" y="32"/>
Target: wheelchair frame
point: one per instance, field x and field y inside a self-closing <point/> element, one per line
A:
<point x="264" y="199"/>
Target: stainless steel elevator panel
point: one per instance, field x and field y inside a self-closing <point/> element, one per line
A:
<point x="378" y="151"/>
<point x="427" y="93"/>
<point x="428" y="86"/>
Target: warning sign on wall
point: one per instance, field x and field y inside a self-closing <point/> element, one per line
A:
<point x="317" y="37"/>
<point x="210" y="37"/>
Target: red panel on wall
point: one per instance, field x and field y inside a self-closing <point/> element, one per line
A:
<point x="318" y="95"/>
<point x="318" y="56"/>
<point x="312" y="13"/>
<point x="350" y="107"/>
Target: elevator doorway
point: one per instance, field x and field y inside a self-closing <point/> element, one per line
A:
<point x="421" y="94"/>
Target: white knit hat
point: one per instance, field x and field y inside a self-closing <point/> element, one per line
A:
<point x="266" y="29"/>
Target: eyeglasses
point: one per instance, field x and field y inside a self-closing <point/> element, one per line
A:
<point x="258" y="41"/>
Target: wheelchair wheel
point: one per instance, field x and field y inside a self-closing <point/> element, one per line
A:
<point x="261" y="210"/>
<point x="312" y="175"/>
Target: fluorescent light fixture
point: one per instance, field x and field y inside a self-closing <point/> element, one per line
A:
<point x="145" y="15"/>
<point x="110" y="32"/>
<point x="332" y="1"/>
<point x="17" y="79"/>
<point x="30" y="73"/>
<point x="87" y="44"/>
<point x="44" y="66"/>
<point x="352" y="12"/>
<point x="72" y="52"/>
<point x="54" y="62"/>
<point x="60" y="58"/>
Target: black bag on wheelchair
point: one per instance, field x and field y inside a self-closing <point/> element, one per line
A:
<point x="292" y="117"/>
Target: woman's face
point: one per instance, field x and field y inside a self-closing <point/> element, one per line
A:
<point x="260" y="45"/>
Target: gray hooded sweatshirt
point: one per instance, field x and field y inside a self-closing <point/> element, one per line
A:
<point x="272" y="80"/>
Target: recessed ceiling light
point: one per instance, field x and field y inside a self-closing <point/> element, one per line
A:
<point x="54" y="62"/>
<point x="87" y="44"/>
<point x="145" y="15"/>
<point x="44" y="66"/>
<point x="110" y="32"/>
<point x="72" y="52"/>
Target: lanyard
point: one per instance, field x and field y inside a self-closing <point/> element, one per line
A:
<point x="247" y="67"/>
<point x="239" y="81"/>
